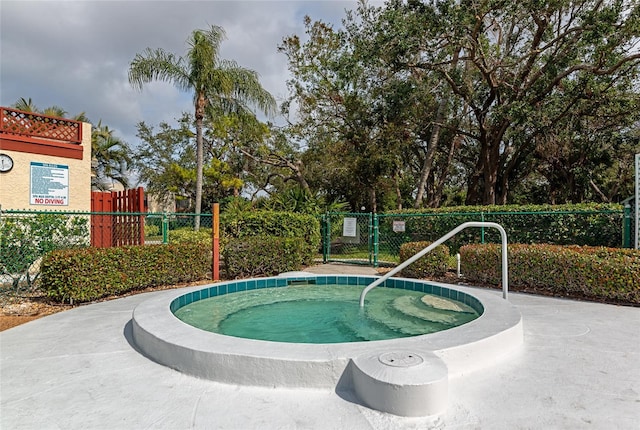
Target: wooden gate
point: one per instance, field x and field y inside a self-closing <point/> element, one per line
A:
<point x="116" y="218"/>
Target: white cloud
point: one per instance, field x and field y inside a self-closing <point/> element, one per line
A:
<point x="75" y="54"/>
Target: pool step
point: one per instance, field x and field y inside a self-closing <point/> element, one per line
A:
<point x="402" y="383"/>
<point x="410" y="316"/>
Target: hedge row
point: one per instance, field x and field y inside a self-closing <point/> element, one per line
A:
<point x="584" y="224"/>
<point x="434" y="263"/>
<point x="88" y="274"/>
<point x="267" y="223"/>
<point x="187" y="235"/>
<point x="596" y="273"/>
<point x="255" y="223"/>
<point x="264" y="256"/>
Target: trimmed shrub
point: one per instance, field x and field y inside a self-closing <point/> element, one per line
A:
<point x="84" y="275"/>
<point x="433" y="264"/>
<point x="595" y="273"/>
<point x="188" y="235"/>
<point x="264" y="255"/>
<point x="583" y="224"/>
<point x="281" y="224"/>
<point x="151" y="230"/>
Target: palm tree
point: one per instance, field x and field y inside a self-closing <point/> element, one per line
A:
<point x="27" y="105"/>
<point x="219" y="86"/>
<point x="110" y="158"/>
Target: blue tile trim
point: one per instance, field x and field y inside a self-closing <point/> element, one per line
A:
<point x="251" y="284"/>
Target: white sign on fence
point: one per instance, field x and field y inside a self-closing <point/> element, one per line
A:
<point x="49" y="184"/>
<point x="398" y="226"/>
<point x="349" y="227"/>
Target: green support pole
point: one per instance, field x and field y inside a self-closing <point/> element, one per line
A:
<point x="165" y="228"/>
<point x="482" y="229"/>
<point x="370" y="239"/>
<point x="326" y="237"/>
<point x="626" y="227"/>
<point x="376" y="239"/>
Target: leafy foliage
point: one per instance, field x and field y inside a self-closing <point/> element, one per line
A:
<point x="24" y="239"/>
<point x="596" y="273"/>
<point x="587" y="224"/>
<point x="84" y="275"/>
<point x="111" y="159"/>
<point x="281" y="224"/>
<point x="510" y="101"/>
<point x="166" y="162"/>
<point x="219" y="86"/>
<point x="264" y="256"/>
<point x="188" y="235"/>
<point x="433" y="264"/>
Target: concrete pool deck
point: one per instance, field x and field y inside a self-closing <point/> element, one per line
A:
<point x="579" y="368"/>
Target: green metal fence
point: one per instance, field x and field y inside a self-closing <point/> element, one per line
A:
<point x="387" y="232"/>
<point x="26" y="236"/>
<point x="362" y="238"/>
<point x="348" y="237"/>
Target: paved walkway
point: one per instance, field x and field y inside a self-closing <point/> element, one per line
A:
<point x="579" y="368"/>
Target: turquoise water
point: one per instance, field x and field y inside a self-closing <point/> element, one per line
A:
<point x="325" y="314"/>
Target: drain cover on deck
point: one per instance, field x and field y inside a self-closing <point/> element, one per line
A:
<point x="400" y="359"/>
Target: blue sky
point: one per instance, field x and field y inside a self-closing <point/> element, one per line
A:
<point x="75" y="54"/>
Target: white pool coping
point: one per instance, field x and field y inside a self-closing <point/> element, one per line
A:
<point x="464" y="349"/>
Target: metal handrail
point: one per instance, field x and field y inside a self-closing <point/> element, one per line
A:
<point x="505" y="270"/>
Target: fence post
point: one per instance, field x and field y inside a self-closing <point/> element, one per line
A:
<point x="626" y="227"/>
<point x="375" y="239"/>
<point x="215" y="231"/>
<point x="482" y="228"/>
<point x="324" y="229"/>
<point x="370" y="239"/>
<point x="165" y="228"/>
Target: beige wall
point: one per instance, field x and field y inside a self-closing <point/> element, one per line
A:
<point x="15" y="185"/>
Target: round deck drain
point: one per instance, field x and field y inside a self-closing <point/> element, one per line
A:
<point x="400" y="359"/>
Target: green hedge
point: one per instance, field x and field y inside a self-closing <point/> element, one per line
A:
<point x="434" y="263"/>
<point x="264" y="256"/>
<point x="88" y="274"/>
<point x="188" y="235"/>
<point x="584" y="224"/>
<point x="267" y="223"/>
<point x="596" y="273"/>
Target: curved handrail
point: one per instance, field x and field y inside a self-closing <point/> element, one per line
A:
<point x="505" y="270"/>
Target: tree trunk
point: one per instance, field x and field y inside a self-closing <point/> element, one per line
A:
<point x="297" y="170"/>
<point x="200" y="102"/>
<point x="436" y="196"/>
<point x="374" y="203"/>
<point x="396" y="182"/>
<point x="431" y="151"/>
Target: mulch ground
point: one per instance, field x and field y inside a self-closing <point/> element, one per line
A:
<point x="19" y="309"/>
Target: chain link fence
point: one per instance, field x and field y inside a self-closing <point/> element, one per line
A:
<point x="26" y="236"/>
<point x="362" y="238"/>
<point x="380" y="243"/>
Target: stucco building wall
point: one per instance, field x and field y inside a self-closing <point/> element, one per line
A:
<point x="15" y="185"/>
